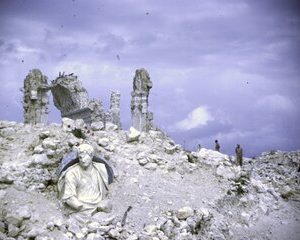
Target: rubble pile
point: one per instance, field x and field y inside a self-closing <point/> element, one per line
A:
<point x="279" y="170"/>
<point x="171" y="193"/>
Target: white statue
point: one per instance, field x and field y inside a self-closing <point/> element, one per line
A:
<point x="84" y="185"/>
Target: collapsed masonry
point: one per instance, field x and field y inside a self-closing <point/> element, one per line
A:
<point x="115" y="108"/>
<point x="71" y="98"/>
<point x="36" y="100"/>
<point x="142" y="119"/>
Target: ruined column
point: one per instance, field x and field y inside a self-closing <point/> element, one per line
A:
<point x="115" y="108"/>
<point x="141" y="118"/>
<point x="36" y="99"/>
<point x="71" y="98"/>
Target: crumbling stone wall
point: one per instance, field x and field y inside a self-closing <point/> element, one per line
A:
<point x="140" y="116"/>
<point x="36" y="100"/>
<point x="71" y="98"/>
<point x="115" y="108"/>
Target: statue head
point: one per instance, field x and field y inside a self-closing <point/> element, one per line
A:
<point x="85" y="155"/>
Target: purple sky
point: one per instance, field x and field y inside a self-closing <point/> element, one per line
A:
<point x="226" y="70"/>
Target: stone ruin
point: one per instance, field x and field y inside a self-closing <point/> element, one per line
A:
<point x="36" y="100"/>
<point x="141" y="118"/>
<point x="71" y="98"/>
<point x="115" y="109"/>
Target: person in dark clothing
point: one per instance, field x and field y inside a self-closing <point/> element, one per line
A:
<point x="217" y="146"/>
<point x="239" y="155"/>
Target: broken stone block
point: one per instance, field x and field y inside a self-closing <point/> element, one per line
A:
<point x="68" y="124"/>
<point x="184" y="213"/>
<point x="13" y="231"/>
<point x="103" y="142"/>
<point x="50" y="143"/>
<point x="14" y="219"/>
<point x="114" y="233"/>
<point x="97" y="126"/>
<point x="79" y="123"/>
<point x="170" y="149"/>
<point x="151" y="166"/>
<point x="6" y="179"/>
<point x="103" y="218"/>
<point x="133" y="135"/>
<point x="71" y="98"/>
<point x="143" y="161"/>
<point x="110" y="126"/>
<point x="150" y="229"/>
<point x="38" y="149"/>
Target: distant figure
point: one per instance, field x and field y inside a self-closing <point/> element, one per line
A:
<point x="217" y="146"/>
<point x="239" y="155"/>
<point x="199" y="147"/>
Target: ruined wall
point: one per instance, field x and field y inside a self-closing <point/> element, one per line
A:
<point x="71" y="98"/>
<point x="36" y="99"/>
<point x="140" y="116"/>
<point x="115" y="109"/>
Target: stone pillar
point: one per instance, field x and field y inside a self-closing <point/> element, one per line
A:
<point x="115" y="108"/>
<point x="141" y="118"/>
<point x="36" y="99"/>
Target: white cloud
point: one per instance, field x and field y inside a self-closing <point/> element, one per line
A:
<point x="276" y="102"/>
<point x="198" y="117"/>
<point x="235" y="134"/>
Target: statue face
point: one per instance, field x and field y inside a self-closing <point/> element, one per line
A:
<point x="85" y="160"/>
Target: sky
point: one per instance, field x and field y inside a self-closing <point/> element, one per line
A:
<point x="226" y="70"/>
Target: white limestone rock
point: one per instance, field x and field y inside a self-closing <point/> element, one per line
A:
<point x="68" y="124"/>
<point x="103" y="142"/>
<point x="38" y="149"/>
<point x="50" y="143"/>
<point x="114" y="233"/>
<point x="150" y="229"/>
<point x="184" y="213"/>
<point x="151" y="166"/>
<point x="133" y="135"/>
<point x="227" y="172"/>
<point x="97" y="126"/>
<point x="110" y="127"/>
<point x="79" y="124"/>
<point x="40" y="159"/>
<point x="143" y="161"/>
<point x="211" y="157"/>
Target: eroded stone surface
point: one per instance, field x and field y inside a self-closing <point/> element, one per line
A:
<point x="35" y="101"/>
<point x="115" y="108"/>
<point x="71" y="98"/>
<point x="142" y="119"/>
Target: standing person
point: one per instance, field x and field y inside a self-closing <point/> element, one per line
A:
<point x="217" y="146"/>
<point x="239" y="155"/>
<point x="199" y="147"/>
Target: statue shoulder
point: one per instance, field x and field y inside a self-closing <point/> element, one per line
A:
<point x="100" y="166"/>
<point x="72" y="171"/>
